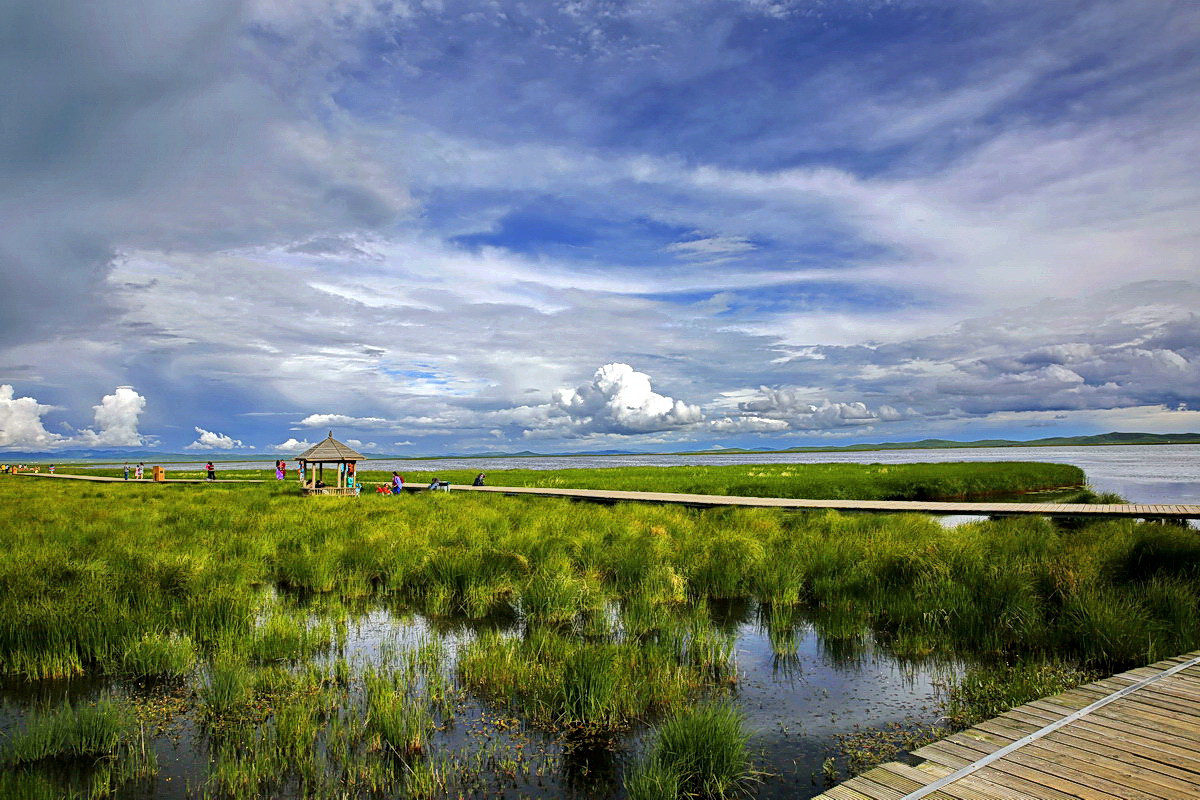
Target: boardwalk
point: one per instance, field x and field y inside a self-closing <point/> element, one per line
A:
<point x="1134" y="736"/>
<point x="1096" y="511"/>
<point x="1134" y="510"/>
<point x="108" y="479"/>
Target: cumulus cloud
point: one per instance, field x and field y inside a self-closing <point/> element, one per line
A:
<point x="619" y="399"/>
<point x="208" y="440"/>
<point x="21" y="422"/>
<point x="360" y="445"/>
<point x="116" y="422"/>
<point x="290" y="446"/>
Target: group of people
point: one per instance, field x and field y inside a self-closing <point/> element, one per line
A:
<point x="138" y="472"/>
<point x="281" y="470"/>
<point x="9" y="469"/>
<point x="397" y="484"/>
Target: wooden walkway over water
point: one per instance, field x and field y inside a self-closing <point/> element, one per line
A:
<point x="1134" y="510"/>
<point x="1172" y="511"/>
<point x="1134" y="736"/>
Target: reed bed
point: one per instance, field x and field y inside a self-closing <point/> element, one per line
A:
<point x="585" y="623"/>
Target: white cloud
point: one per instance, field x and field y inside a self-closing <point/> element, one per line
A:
<point x="361" y="445"/>
<point x="116" y="422"/>
<point x="342" y="421"/>
<point x="21" y="422"/>
<point x="748" y="424"/>
<point x="619" y="399"/>
<point x="208" y="440"/>
<point x="711" y="248"/>
<point x="290" y="446"/>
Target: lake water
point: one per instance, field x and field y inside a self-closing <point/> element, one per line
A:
<point x="1139" y="473"/>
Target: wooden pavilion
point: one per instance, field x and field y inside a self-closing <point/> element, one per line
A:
<point x="344" y="460"/>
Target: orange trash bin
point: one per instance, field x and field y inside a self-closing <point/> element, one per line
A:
<point x="160" y="474"/>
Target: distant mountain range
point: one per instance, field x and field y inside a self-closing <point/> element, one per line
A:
<point x="134" y="456"/>
<point x="1099" y="439"/>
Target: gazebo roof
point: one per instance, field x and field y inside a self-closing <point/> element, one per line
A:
<point x="330" y="449"/>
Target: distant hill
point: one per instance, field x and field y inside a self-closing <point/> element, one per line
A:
<point x="1099" y="439"/>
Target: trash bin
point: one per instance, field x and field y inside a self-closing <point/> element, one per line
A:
<point x="160" y="474"/>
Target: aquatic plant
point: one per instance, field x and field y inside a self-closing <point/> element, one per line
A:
<point x="698" y="752"/>
<point x="159" y="655"/>
<point x="987" y="691"/>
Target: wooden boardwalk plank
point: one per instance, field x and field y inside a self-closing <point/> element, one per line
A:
<point x="1138" y="739"/>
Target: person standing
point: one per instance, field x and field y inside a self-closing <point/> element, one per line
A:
<point x="212" y="471"/>
<point x="279" y="470"/>
<point x="125" y="471"/>
<point x="397" y="483"/>
<point x="140" y="471"/>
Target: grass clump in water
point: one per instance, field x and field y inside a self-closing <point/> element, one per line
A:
<point x="159" y="655"/>
<point x="105" y="737"/>
<point x="697" y="752"/>
<point x="400" y="723"/>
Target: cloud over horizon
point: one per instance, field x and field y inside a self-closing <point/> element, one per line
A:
<point x="892" y="220"/>
<point x="115" y="423"/>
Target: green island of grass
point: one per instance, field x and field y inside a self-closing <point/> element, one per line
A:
<point x="437" y="645"/>
<point x="948" y="481"/>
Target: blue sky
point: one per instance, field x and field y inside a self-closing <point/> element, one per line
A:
<point x="471" y="227"/>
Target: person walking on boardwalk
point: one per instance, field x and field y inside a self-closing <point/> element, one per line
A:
<point x="212" y="471"/>
<point x="140" y="470"/>
<point x="397" y="483"/>
<point x="125" y="470"/>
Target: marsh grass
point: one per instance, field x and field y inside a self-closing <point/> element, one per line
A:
<point x="587" y="621"/>
<point x="105" y="738"/>
<point x="697" y="752"/>
<point x="829" y="481"/>
<point x="159" y="655"/>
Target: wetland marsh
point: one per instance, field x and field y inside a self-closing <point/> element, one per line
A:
<point x="240" y="641"/>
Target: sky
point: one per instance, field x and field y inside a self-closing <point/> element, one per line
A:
<point x="471" y="227"/>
